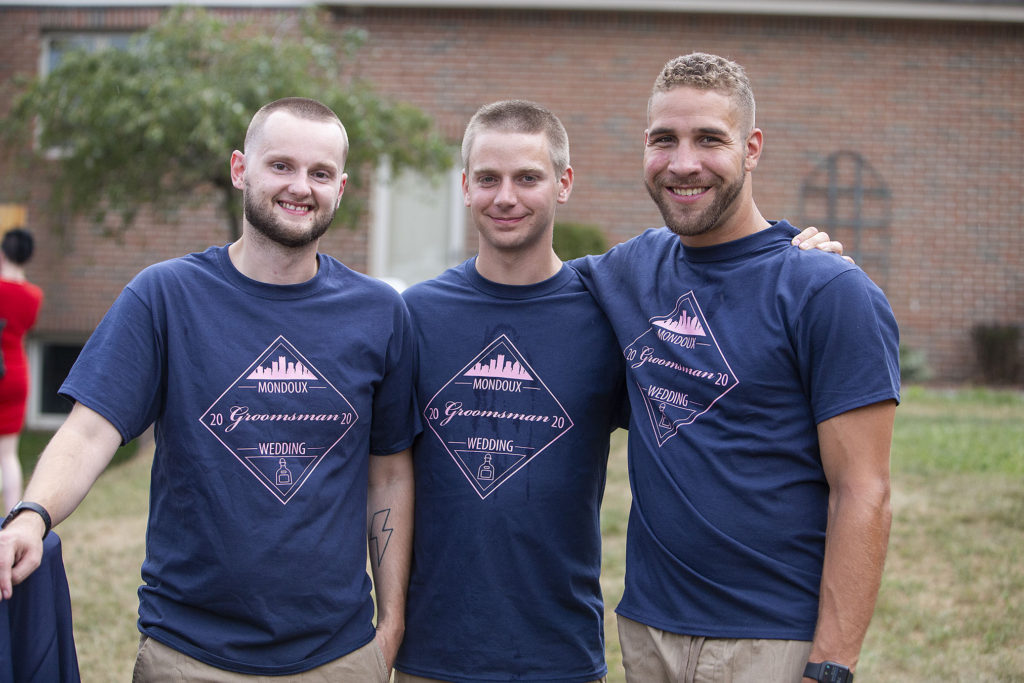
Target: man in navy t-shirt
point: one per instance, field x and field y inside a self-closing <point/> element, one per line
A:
<point x="763" y="382"/>
<point x="280" y="383"/>
<point x="520" y="382"/>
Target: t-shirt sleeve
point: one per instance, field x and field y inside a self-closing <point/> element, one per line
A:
<point x="850" y="334"/>
<point x="395" y="419"/>
<point x="119" y="372"/>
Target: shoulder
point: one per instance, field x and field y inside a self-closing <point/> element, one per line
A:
<point x="354" y="282"/>
<point x="650" y="240"/>
<point x="428" y="290"/>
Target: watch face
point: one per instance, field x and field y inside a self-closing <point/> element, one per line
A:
<point x="833" y="673"/>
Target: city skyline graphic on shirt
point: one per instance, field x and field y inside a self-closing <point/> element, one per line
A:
<point x="684" y="324"/>
<point x="679" y="368"/>
<point x="280" y="418"/>
<point x="499" y="367"/>
<point x="282" y="368"/>
<point x="494" y="416"/>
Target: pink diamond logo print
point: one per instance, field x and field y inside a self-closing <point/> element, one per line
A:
<point x="679" y="368"/>
<point x="280" y="418"/>
<point x="495" y="415"/>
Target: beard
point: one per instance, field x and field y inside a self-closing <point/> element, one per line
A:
<point x="685" y="224"/>
<point x="261" y="217"/>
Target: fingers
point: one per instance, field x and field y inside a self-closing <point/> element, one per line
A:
<point x="19" y="557"/>
<point x="806" y="234"/>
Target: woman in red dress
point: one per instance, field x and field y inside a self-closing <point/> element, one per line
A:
<point x="19" y="305"/>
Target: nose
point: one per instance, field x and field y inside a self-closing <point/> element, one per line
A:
<point x="299" y="186"/>
<point x="506" y="195"/>
<point x="684" y="161"/>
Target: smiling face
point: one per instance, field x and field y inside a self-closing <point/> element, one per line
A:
<point x="292" y="178"/>
<point x="512" y="189"/>
<point x="697" y="156"/>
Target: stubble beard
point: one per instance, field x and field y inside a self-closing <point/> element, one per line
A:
<point x="261" y="218"/>
<point x="702" y="223"/>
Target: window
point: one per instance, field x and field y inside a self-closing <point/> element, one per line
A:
<point x="418" y="225"/>
<point x="58" y="44"/>
<point x="847" y="197"/>
<point x="49" y="364"/>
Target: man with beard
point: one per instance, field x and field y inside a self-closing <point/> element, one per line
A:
<point x="763" y="382"/>
<point x="280" y="383"/>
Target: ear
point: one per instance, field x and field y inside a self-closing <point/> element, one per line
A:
<point x="341" y="190"/>
<point x="238" y="169"/>
<point x="465" y="187"/>
<point x="755" y="143"/>
<point x="565" y="185"/>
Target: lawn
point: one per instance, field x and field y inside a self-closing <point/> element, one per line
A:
<point x="952" y="601"/>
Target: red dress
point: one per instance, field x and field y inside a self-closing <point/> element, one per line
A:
<point x="19" y="306"/>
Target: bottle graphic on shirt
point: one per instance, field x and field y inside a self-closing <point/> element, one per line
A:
<point x="284" y="475"/>
<point x="486" y="470"/>
<point x="665" y="422"/>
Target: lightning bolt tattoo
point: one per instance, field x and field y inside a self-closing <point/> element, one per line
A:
<point x="380" y="534"/>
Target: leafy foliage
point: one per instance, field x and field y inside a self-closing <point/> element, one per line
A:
<point x="573" y="240"/>
<point x="153" y="124"/>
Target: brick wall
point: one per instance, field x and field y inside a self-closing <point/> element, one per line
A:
<point x="933" y="108"/>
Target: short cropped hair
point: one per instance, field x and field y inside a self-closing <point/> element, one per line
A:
<point x="302" y="107"/>
<point x="17" y="245"/>
<point x="520" y="116"/>
<point x="709" y="72"/>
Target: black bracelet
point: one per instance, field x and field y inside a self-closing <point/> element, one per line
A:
<point x="34" y="507"/>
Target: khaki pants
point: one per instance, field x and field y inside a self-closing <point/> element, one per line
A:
<point x="409" y="678"/>
<point x="157" y="663"/>
<point x="651" y="655"/>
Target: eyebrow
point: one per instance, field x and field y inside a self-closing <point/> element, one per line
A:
<point x="532" y="170"/>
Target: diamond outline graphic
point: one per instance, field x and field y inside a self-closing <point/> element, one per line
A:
<point x="522" y="454"/>
<point x="687" y="323"/>
<point x="302" y="370"/>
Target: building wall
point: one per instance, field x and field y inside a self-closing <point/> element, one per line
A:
<point x="932" y="108"/>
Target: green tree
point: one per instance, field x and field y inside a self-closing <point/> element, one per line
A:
<point x="154" y="124"/>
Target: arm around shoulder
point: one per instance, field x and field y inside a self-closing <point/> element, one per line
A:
<point x="67" y="469"/>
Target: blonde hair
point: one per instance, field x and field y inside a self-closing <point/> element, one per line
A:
<point x="709" y="72"/>
<point x="520" y="116"/>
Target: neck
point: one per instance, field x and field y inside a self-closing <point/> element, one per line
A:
<point x="11" y="271"/>
<point x="265" y="261"/>
<point x="744" y="222"/>
<point x="517" y="268"/>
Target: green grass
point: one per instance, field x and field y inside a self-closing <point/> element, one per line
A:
<point x="951" y="607"/>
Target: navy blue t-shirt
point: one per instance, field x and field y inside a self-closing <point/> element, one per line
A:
<point x="734" y="354"/>
<point x="519" y="388"/>
<point x="268" y="401"/>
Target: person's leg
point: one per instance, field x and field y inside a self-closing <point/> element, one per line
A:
<point x="745" y="660"/>
<point x="158" y="663"/>
<point x="650" y="655"/>
<point x="10" y="471"/>
<point x="401" y="677"/>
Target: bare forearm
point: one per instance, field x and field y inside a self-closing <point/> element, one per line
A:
<point x="855" y="550"/>
<point x="389" y="534"/>
<point x="69" y="465"/>
<point x="72" y="461"/>
<point x="855" y="458"/>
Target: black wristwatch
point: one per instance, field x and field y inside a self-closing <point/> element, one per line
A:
<point x="34" y="507"/>
<point x="830" y="672"/>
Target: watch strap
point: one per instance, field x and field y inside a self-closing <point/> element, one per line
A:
<point x="34" y="507"/>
